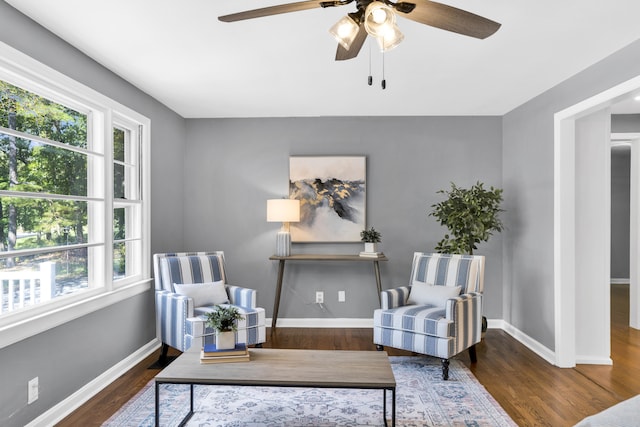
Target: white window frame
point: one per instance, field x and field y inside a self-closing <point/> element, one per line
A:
<point x="133" y="198"/>
<point x="105" y="113"/>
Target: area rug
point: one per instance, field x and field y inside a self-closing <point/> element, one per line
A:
<point x="422" y="399"/>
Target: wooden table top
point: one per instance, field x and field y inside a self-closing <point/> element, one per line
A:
<point x="290" y="368"/>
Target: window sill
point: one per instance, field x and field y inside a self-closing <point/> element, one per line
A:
<point x="38" y="323"/>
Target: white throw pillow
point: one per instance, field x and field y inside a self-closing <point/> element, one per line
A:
<point x="427" y="294"/>
<point x="203" y="294"/>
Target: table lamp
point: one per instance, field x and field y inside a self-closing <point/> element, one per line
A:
<point x="285" y="211"/>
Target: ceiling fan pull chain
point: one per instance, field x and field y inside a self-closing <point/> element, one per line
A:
<point x="384" y="81"/>
<point x="370" y="79"/>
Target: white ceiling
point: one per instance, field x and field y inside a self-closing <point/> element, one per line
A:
<point x="278" y="66"/>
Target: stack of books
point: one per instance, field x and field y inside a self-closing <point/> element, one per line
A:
<point x="371" y="254"/>
<point x="210" y="354"/>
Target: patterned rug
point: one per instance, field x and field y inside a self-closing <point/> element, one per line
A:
<point x="422" y="399"/>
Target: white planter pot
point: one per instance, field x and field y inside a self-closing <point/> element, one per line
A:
<point x="371" y="247"/>
<point x="225" y="340"/>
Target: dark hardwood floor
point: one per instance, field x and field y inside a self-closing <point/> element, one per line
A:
<point x="530" y="390"/>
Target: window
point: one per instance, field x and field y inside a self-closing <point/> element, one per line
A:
<point x="127" y="238"/>
<point x="72" y="201"/>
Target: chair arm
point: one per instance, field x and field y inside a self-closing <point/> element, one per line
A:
<point x="244" y="297"/>
<point x="396" y="297"/>
<point x="171" y="302"/>
<point x="465" y="311"/>
<point x="172" y="311"/>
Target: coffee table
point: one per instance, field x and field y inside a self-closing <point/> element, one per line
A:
<point x="286" y="368"/>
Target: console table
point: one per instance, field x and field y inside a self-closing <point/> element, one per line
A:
<point x="321" y="257"/>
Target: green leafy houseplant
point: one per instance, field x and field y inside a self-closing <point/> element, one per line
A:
<point x="370" y="235"/>
<point x="224" y="318"/>
<point x="471" y="215"/>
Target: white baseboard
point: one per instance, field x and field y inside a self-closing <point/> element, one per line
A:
<point x="524" y="339"/>
<point x="590" y="360"/>
<point x="323" y="323"/>
<point x="620" y="281"/>
<point x="77" y="399"/>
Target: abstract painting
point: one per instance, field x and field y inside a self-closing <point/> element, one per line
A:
<point x="332" y="191"/>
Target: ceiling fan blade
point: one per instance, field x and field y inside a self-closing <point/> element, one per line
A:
<point x="451" y="18"/>
<point x="281" y="8"/>
<point x="343" y="54"/>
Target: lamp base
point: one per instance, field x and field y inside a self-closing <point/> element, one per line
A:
<point x="283" y="243"/>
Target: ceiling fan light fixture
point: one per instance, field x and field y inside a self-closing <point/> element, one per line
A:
<point x="345" y="31"/>
<point x="378" y="19"/>
<point x="391" y="38"/>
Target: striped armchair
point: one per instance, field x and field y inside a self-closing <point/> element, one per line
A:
<point x="180" y="321"/>
<point x="437" y="325"/>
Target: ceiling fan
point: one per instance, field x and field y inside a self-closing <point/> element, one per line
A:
<point x="377" y="18"/>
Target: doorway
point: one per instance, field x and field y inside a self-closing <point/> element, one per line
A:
<point x="578" y="338"/>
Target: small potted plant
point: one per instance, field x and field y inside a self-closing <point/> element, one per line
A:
<point x="370" y="237"/>
<point x="223" y="319"/>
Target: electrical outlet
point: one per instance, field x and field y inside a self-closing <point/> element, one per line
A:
<point x="319" y="297"/>
<point x="32" y="392"/>
<point x="342" y="297"/>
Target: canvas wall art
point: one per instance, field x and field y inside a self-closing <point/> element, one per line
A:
<point x="332" y="194"/>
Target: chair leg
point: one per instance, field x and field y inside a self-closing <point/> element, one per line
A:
<point x="163" y="354"/>
<point x="472" y="354"/>
<point x="445" y="369"/>
<point x="379" y="347"/>
<point x="163" y="360"/>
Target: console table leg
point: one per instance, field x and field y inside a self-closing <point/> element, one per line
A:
<point x="276" y="302"/>
<point x="376" y="269"/>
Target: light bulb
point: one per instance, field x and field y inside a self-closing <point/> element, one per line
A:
<point x="378" y="18"/>
<point x="379" y="15"/>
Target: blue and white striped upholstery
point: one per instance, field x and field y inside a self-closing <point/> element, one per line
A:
<point x="176" y="316"/>
<point x="466" y="271"/>
<point x="436" y="331"/>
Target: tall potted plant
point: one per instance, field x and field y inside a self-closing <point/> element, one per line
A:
<point x="472" y="216"/>
<point x="224" y="320"/>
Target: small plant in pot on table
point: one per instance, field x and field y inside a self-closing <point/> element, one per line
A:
<point x="223" y="319"/>
<point x="370" y="237"/>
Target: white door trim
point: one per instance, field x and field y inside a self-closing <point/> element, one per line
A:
<point x="634" y="234"/>
<point x="565" y="215"/>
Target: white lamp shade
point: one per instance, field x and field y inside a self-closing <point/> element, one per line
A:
<point x="283" y="210"/>
<point x="378" y="18"/>
<point x="345" y="31"/>
<point x="391" y="38"/>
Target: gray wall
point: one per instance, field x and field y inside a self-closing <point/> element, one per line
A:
<point x="69" y="356"/>
<point x="620" y="195"/>
<point x="528" y="181"/>
<point x="216" y="200"/>
<point x="625" y="123"/>
<point x="235" y="165"/>
<point x="620" y="209"/>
